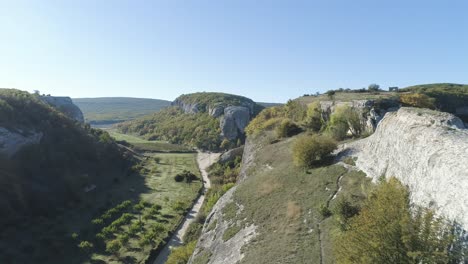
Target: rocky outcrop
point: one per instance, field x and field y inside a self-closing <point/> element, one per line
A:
<point x="211" y="244"/>
<point x="12" y="141"/>
<point x="425" y="150"/>
<point x="65" y="105"/>
<point x="369" y="111"/>
<point x="232" y="118"/>
<point x="231" y="155"/>
<point x="234" y="121"/>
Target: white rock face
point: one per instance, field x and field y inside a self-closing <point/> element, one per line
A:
<point x="425" y="150"/>
<point x="66" y="106"/>
<point x="211" y="241"/>
<point x="11" y="142"/>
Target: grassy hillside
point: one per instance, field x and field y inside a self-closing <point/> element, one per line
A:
<point x="69" y="156"/>
<point x="78" y="197"/>
<point x="448" y="96"/>
<point x="173" y="125"/>
<point x="108" y="110"/>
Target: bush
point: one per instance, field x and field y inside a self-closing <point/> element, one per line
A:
<point x="314" y="116"/>
<point x="181" y="255"/>
<point x="342" y="120"/>
<point x="185" y="175"/>
<point x="86" y="246"/>
<point x="387" y="230"/>
<point x="324" y="211"/>
<point x="309" y="151"/>
<point x="287" y="128"/>
<point x="343" y="211"/>
<point x="417" y="100"/>
<point x="113" y="246"/>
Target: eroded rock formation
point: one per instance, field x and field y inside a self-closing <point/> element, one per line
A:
<point x="427" y="151"/>
<point x="64" y="105"/>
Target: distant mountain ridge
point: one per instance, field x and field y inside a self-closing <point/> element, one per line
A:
<point x="110" y="110"/>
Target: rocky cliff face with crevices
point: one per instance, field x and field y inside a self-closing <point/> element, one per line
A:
<point x="427" y="151"/>
<point x="12" y="141"/>
<point x="232" y="118"/>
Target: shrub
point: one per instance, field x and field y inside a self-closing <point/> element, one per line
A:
<point x="113" y="246"/>
<point x="181" y="255"/>
<point x="314" y="116"/>
<point x="342" y="120"/>
<point x="287" y="128"/>
<point x="86" y="246"/>
<point x="386" y="230"/>
<point x="309" y="151"/>
<point x="343" y="211"/>
<point x="179" y="178"/>
<point x="185" y="175"/>
<point x="417" y="100"/>
<point x="324" y="211"/>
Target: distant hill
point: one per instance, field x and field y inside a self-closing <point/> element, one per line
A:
<point x="109" y="110"/>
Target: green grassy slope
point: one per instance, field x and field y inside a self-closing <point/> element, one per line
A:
<point x="343" y="96"/>
<point x="108" y="110"/>
<point x="283" y="201"/>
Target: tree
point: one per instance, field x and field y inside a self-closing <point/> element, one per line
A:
<point x="309" y="151"/>
<point x="331" y="94"/>
<point x="225" y="144"/>
<point x="343" y="120"/>
<point x="295" y="110"/>
<point x="314" y="116"/>
<point x="386" y="231"/>
<point x="373" y="87"/>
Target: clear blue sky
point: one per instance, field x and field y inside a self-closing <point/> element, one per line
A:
<point x="266" y="50"/>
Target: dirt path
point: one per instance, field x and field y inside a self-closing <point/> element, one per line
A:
<point x="204" y="160"/>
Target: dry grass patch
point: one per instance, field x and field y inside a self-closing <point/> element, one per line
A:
<point x="293" y="211"/>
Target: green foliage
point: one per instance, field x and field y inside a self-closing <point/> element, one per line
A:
<point x="343" y="211"/>
<point x="386" y="231"/>
<point x="295" y="111"/>
<point x="69" y="157"/>
<point x="373" y="87"/>
<point x="86" y="246"/>
<point x="417" y="100"/>
<point x="342" y="120"/>
<point x="287" y="128"/>
<point x="172" y="124"/>
<point x="206" y="100"/>
<point x="113" y="246"/>
<point x="309" y="151"/>
<point x="186" y="176"/>
<point x="265" y="120"/>
<point x="448" y="96"/>
<point x="117" y="109"/>
<point x="182" y="254"/>
<point x="324" y="211"/>
<point x="314" y="119"/>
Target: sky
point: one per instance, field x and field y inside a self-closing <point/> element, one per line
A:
<point x="270" y="51"/>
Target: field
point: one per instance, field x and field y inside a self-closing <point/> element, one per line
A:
<point x="147" y="145"/>
<point x="109" y="110"/>
<point x="135" y="213"/>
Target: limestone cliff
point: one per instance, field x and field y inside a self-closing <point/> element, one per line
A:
<point x="64" y="105"/>
<point x="12" y="141"/>
<point x="427" y="151"/>
<point x="234" y="112"/>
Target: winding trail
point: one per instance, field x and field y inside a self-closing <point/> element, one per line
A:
<point x="204" y="161"/>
